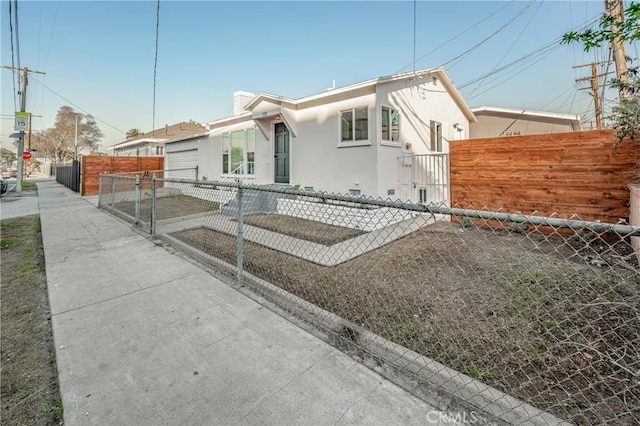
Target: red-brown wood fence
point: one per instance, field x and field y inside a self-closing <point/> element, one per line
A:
<point x="581" y="173"/>
<point x="93" y="165"/>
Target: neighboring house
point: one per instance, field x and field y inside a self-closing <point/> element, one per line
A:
<point x="151" y="144"/>
<point x="387" y="137"/>
<point x="495" y="122"/>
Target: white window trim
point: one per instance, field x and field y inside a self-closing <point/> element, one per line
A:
<point x="348" y="144"/>
<point x="245" y="141"/>
<point x="385" y="142"/>
<point x="352" y="144"/>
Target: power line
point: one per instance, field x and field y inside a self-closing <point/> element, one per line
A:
<point x="155" y="66"/>
<point x="51" y="37"/>
<point x="515" y="74"/>
<point x="547" y="48"/>
<point x="15" y="16"/>
<point x="78" y="107"/>
<point x="13" y="62"/>
<point x="490" y="36"/>
<point x="453" y="38"/>
<point x="540" y="52"/>
<point x="521" y="62"/>
<point x="414" y="35"/>
<point x="510" y="47"/>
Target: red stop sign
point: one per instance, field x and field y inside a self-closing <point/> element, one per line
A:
<point x="26" y="155"/>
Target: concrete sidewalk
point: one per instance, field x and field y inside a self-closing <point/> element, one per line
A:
<point x="144" y="337"/>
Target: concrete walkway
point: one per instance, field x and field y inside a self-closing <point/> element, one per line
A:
<point x="144" y="337"/>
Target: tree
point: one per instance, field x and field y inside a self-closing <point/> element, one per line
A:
<point x="7" y="156"/>
<point x="625" y="117"/>
<point x="133" y="133"/>
<point x="58" y="142"/>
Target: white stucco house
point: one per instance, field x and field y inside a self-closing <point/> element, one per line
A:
<point x="387" y="137"/>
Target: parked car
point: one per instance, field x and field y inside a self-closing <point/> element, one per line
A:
<point x="3" y="185"/>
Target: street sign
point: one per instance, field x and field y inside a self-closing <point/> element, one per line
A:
<point x="22" y="121"/>
<point x="26" y="155"/>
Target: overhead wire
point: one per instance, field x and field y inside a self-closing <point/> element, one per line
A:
<point x="504" y="80"/>
<point x="75" y="105"/>
<point x="17" y="34"/>
<point x="569" y="90"/>
<point x="540" y="52"/>
<point x="414" y="33"/>
<point x="517" y="39"/>
<point x="453" y="38"/>
<point x="458" y="58"/>
<point x="547" y="48"/>
<point x="155" y="67"/>
<point x="13" y="62"/>
<point x="51" y="38"/>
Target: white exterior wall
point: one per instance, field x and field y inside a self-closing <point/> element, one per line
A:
<point x="199" y="144"/>
<point x="322" y="161"/>
<point x="419" y="102"/>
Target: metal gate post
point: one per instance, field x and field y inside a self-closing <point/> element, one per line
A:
<point x="113" y="193"/>
<point x="153" y="205"/>
<point x="99" y="190"/>
<point x="240" y="241"/>
<point x="137" y="201"/>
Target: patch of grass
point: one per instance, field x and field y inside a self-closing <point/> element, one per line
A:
<point x="29" y="378"/>
<point x="4" y="243"/>
<point x="57" y="409"/>
<point x="22" y="311"/>
<point x="477" y="373"/>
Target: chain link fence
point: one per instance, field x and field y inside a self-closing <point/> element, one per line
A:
<point x="524" y="319"/>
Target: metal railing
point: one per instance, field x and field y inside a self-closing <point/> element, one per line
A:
<point x="244" y="168"/>
<point x="424" y="178"/>
<point x="519" y="318"/>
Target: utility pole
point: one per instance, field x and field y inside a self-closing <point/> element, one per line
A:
<point x="595" y="85"/>
<point x="76" y="140"/>
<point x="29" y="142"/>
<point x="23" y="108"/>
<point x="615" y="8"/>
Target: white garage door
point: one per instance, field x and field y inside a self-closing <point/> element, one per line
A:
<point x="182" y="164"/>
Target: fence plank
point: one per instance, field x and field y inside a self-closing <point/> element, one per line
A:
<point x="564" y="173"/>
<point x="93" y="165"/>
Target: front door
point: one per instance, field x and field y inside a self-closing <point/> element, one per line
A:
<point x="281" y="155"/>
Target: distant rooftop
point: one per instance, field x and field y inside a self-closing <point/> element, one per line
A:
<point x="164" y="134"/>
<point x="573" y="119"/>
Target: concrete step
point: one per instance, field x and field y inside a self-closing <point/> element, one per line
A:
<point x="252" y="202"/>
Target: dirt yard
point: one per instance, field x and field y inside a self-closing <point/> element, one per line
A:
<point x="168" y="207"/>
<point x="29" y="390"/>
<point x="534" y="316"/>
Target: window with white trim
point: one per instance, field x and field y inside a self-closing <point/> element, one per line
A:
<point x="436" y="136"/>
<point x="390" y="122"/>
<point x="354" y="125"/>
<point x="238" y="152"/>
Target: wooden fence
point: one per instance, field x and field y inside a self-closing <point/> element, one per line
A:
<point x="93" y="165"/>
<point x="581" y="173"/>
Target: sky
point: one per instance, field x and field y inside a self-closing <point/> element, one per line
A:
<point x="99" y="56"/>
